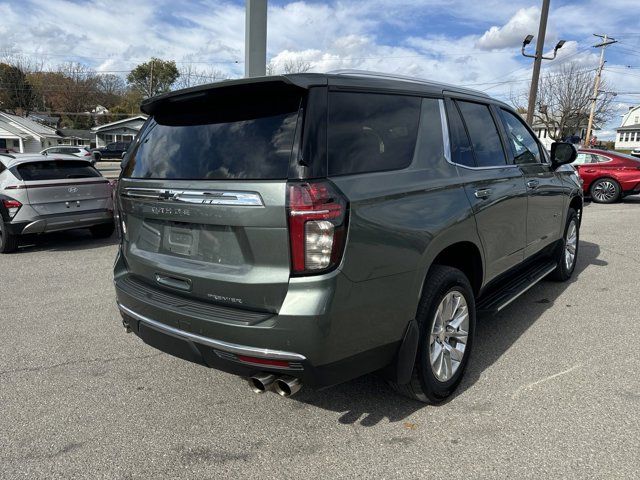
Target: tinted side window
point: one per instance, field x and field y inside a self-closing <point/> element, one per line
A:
<point x="430" y="145"/>
<point x="483" y="134"/>
<point x="461" y="151"/>
<point x="524" y="146"/>
<point x="371" y="132"/>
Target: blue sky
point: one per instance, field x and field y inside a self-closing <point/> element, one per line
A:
<point x="474" y="43"/>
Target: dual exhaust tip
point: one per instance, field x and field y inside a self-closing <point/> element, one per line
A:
<point x="282" y="385"/>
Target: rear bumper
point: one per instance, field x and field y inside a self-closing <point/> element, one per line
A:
<point x="231" y="357"/>
<point x="55" y="223"/>
<point x="331" y="336"/>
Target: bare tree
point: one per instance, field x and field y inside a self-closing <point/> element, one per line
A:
<point x="564" y="100"/>
<point x="296" y="66"/>
<point x="289" y="66"/>
<point x="110" y="89"/>
<point x="17" y="93"/>
<point x="191" y="76"/>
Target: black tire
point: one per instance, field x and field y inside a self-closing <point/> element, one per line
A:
<point x="8" y="241"/>
<point x="104" y="230"/>
<point x="605" y="190"/>
<point x="96" y="157"/>
<point x="564" y="272"/>
<point x="424" y="386"/>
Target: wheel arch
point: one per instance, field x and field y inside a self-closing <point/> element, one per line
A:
<point x="465" y="255"/>
<point x="577" y="204"/>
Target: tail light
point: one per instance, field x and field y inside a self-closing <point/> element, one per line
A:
<point x="12" y="207"/>
<point x="317" y="226"/>
<point x="88" y="154"/>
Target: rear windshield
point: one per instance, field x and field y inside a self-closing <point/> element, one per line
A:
<point x="56" y="170"/>
<point x="238" y="138"/>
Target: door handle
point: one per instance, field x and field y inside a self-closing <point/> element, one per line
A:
<point x="591" y="170"/>
<point x="533" y="184"/>
<point x="483" y="193"/>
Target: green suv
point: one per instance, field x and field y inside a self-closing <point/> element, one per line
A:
<point x="308" y="229"/>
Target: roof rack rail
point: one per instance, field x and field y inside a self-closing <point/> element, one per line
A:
<point x="393" y="76"/>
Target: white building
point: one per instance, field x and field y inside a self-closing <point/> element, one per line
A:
<point x="628" y="134"/>
<point x="120" y="131"/>
<point x="545" y="137"/>
<point x="23" y="135"/>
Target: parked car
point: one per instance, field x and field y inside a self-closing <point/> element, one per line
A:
<point x="76" y="151"/>
<point x="608" y="176"/>
<point x="312" y="228"/>
<point x="111" y="150"/>
<point x="636" y="152"/>
<point x="51" y="194"/>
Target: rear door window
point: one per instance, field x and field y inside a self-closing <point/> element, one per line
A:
<point x="248" y="139"/>
<point x="55" y="170"/>
<point x="483" y="134"/>
<point x="523" y="144"/>
<point x="461" y="150"/>
<point x="371" y="132"/>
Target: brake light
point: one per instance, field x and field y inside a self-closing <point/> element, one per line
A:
<point x="317" y="226"/>
<point x="88" y="154"/>
<point x="12" y="207"/>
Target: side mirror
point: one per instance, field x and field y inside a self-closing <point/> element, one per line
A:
<point x="563" y="153"/>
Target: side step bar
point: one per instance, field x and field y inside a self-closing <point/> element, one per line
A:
<point x="505" y="293"/>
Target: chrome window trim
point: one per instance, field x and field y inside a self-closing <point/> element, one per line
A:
<point x="447" y="145"/>
<point x="445" y="131"/>
<point x="199" y="197"/>
<point x="210" y="342"/>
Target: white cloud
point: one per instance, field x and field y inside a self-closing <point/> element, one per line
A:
<point x="523" y="23"/>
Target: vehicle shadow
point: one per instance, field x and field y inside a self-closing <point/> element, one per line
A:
<point x="370" y="397"/>
<point x="66" y="241"/>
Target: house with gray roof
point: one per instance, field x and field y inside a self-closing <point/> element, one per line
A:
<point x="120" y="131"/>
<point x="23" y="135"/>
<point x="72" y="136"/>
<point x="628" y="134"/>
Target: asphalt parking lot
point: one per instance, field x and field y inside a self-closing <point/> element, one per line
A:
<point x="553" y="389"/>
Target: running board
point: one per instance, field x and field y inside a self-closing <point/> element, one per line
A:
<point x="507" y="291"/>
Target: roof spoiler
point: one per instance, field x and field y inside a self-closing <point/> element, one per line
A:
<point x="301" y="81"/>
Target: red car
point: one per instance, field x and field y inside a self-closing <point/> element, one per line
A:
<point x="608" y="176"/>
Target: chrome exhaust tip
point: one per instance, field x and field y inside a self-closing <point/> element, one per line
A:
<point x="261" y="382"/>
<point x="287" y="386"/>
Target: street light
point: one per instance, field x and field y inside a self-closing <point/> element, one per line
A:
<point x="527" y="40"/>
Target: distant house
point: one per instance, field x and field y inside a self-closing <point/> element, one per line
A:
<point x="628" y="134"/>
<point x="120" y="131"/>
<point x="72" y="136"/>
<point x="545" y="136"/>
<point x="23" y="135"/>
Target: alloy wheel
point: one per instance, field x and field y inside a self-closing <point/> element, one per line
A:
<point x="570" y="245"/>
<point x="449" y="333"/>
<point x="605" y="191"/>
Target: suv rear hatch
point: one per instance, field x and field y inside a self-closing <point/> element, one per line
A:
<point x="202" y="195"/>
<point x="59" y="186"/>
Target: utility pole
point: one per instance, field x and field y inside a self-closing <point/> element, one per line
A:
<point x="255" y="38"/>
<point x="538" y="57"/>
<point x="606" y="41"/>
<point x="537" y="63"/>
